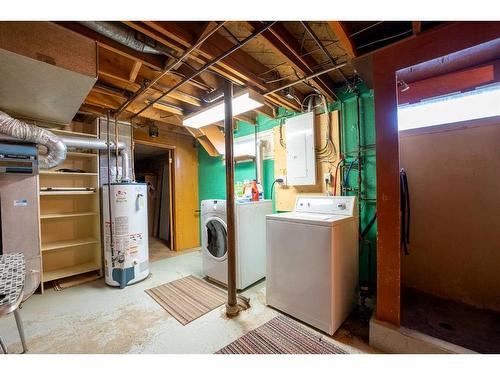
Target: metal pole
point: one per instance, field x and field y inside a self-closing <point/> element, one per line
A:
<point x="232" y="308"/>
<point x="208" y="65"/>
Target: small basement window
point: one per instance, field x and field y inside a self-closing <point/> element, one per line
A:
<point x="479" y="103"/>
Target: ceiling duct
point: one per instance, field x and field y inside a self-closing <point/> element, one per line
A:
<point x="128" y="37"/>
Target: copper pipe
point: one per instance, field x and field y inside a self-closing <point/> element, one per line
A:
<point x="208" y="65"/>
<point x="231" y="306"/>
<point x="169" y="68"/>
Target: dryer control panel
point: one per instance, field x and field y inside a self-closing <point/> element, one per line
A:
<point x="346" y="206"/>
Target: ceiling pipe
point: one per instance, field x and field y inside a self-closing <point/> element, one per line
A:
<point x="168" y="69"/>
<point x="128" y="37"/>
<point x="325" y="51"/>
<point x="208" y="65"/>
<point x="306" y="78"/>
<point x="101" y="144"/>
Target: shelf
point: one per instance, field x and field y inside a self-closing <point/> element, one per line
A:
<point x="68" y="192"/>
<point x="81" y="154"/>
<point x="70" y="243"/>
<point x="70" y="133"/>
<point x="69" y="173"/>
<point x="69" y="271"/>
<point x="68" y="215"/>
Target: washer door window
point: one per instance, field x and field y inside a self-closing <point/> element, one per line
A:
<point x="216" y="238"/>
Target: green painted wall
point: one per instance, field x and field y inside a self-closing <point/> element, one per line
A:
<point x="349" y="141"/>
<point x="211" y="170"/>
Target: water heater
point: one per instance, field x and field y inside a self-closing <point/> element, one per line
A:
<point x="126" y="227"/>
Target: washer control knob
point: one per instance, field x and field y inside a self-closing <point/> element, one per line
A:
<point x="341" y="206"/>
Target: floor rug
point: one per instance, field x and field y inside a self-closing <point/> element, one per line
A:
<point x="282" y="335"/>
<point x="188" y="298"/>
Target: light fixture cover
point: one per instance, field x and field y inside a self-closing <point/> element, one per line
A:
<point x="243" y="102"/>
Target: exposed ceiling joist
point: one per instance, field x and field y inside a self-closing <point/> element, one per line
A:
<point x="239" y="67"/>
<point x="134" y="71"/>
<point x="284" y="42"/>
<point x="155" y="62"/>
<point x="345" y="41"/>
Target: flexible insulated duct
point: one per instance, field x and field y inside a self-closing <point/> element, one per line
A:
<point x="127" y="36"/>
<point x="56" y="149"/>
<point x="57" y="146"/>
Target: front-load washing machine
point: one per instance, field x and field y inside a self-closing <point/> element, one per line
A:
<point x="250" y="220"/>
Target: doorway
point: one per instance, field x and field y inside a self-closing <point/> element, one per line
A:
<point x="153" y="166"/>
<point x="449" y="134"/>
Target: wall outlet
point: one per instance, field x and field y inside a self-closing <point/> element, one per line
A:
<point x="327" y="177"/>
<point x="284" y="183"/>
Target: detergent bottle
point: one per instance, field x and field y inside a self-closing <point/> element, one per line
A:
<point x="255" y="191"/>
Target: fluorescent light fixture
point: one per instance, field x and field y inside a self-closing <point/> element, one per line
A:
<point x="243" y="102"/>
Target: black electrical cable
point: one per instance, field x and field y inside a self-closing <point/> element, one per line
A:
<point x="279" y="180"/>
<point x="405" y="210"/>
<point x="272" y="189"/>
<point x="370" y="224"/>
<point x="346" y="178"/>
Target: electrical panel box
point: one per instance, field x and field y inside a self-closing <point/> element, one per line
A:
<point x="300" y="155"/>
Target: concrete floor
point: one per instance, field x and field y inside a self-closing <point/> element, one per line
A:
<point x="95" y="318"/>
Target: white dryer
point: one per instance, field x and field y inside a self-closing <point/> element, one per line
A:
<point x="312" y="260"/>
<point x="250" y="233"/>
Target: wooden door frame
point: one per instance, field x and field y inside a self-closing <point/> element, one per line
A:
<point x="436" y="43"/>
<point x="170" y="158"/>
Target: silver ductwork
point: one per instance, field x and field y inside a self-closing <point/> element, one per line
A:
<point x="56" y="149"/>
<point x="128" y="37"/>
<point x="57" y="146"/>
<point x="100" y="144"/>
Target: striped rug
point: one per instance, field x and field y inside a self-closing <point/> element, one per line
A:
<point x="188" y="298"/>
<point x="281" y="335"/>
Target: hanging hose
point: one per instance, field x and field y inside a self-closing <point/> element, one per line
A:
<point x="346" y="178"/>
<point x="336" y="175"/>
<point x="405" y="211"/>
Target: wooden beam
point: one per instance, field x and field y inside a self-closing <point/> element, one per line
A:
<point x="142" y="27"/>
<point x="245" y="118"/>
<point x="266" y="110"/>
<point x="239" y="67"/>
<point x="286" y="44"/>
<point x="167" y="108"/>
<point x="345" y="41"/>
<point x="134" y="71"/>
<point x="416" y="27"/>
<point x="155" y="62"/>
<point x="462" y="80"/>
